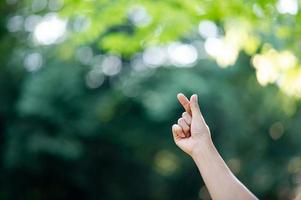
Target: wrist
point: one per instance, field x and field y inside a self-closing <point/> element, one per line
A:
<point x="204" y="146"/>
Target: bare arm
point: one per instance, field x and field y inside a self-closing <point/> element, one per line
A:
<point x="192" y="135"/>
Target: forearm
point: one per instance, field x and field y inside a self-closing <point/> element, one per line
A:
<point x="220" y="181"/>
<point x="192" y="135"/>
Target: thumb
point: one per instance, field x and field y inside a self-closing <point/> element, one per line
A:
<point x="194" y="106"/>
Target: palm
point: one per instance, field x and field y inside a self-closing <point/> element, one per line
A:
<point x="186" y="144"/>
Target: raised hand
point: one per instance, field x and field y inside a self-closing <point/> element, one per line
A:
<point x="191" y="130"/>
<point x="192" y="135"/>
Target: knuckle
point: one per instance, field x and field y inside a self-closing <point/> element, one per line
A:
<point x="175" y="128"/>
<point x="180" y="120"/>
<point x="184" y="114"/>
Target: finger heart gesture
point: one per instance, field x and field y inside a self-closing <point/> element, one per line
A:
<point x="191" y="128"/>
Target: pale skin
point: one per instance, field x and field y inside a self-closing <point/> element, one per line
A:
<point x="192" y="135"/>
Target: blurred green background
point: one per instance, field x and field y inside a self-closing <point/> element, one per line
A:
<point x="88" y="96"/>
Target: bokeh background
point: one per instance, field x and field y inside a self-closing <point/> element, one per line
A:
<point x="88" y="96"/>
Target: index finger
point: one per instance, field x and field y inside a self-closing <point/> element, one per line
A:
<point x="184" y="102"/>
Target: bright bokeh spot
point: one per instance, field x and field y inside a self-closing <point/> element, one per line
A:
<point x="154" y="56"/>
<point x="182" y="55"/>
<point x="208" y="29"/>
<point x="94" y="79"/>
<point x="224" y="53"/>
<point x="266" y="72"/>
<point x="38" y="5"/>
<point x="31" y="22"/>
<point x="281" y="68"/>
<point x="291" y="82"/>
<point x="287" y="7"/>
<point x="166" y="163"/>
<point x="50" y="29"/>
<point x="84" y="55"/>
<point x="111" y="65"/>
<point x="33" y="62"/>
<point x="238" y="36"/>
<point x="139" y="16"/>
<point x="15" y="23"/>
<point x="138" y="64"/>
<point x="55" y="5"/>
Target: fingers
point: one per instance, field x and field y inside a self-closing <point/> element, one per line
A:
<point x="195" y="109"/>
<point x="187" y="118"/>
<point x="177" y="132"/>
<point x="184" y="126"/>
<point x="184" y="102"/>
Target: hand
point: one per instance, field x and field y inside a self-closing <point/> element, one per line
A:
<point x="191" y="131"/>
